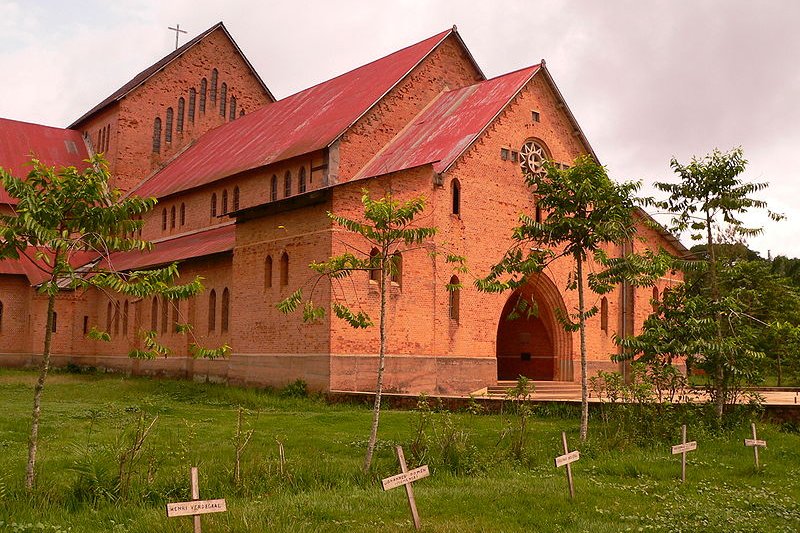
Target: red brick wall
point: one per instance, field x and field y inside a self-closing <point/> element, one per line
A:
<point x="15" y="295"/>
<point x="447" y="67"/>
<point x="131" y="147"/>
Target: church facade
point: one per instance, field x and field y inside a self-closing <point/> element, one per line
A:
<point x="244" y="182"/>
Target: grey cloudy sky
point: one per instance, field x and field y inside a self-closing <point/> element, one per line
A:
<point x="647" y="80"/>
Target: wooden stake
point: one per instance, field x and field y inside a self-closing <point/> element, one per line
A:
<point x="196" y="507"/>
<point x="755" y="443"/>
<point x="682" y="449"/>
<point x="407" y="477"/>
<point x="196" y="496"/>
<point x="567" y="459"/>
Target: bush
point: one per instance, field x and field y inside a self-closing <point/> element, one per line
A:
<point x="296" y="389"/>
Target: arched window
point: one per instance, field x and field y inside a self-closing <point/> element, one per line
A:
<point x="125" y="309"/>
<point x="287" y="184"/>
<point x="164" y="315"/>
<point x="203" y="91"/>
<point x="175" y="316"/>
<point x="213" y="91"/>
<point x="116" y="318"/>
<point x="183" y="214"/>
<point x="538" y="212"/>
<point x="212" y="310"/>
<point x="236" y="198"/>
<point x="168" y="132"/>
<point x="108" y="137"/>
<point x="213" y="205"/>
<point x="375" y="273"/>
<point x="454" y="300"/>
<point x="225" y="202"/>
<point x="164" y="219"/>
<point x="181" y="106"/>
<point x="157" y="135"/>
<point x="223" y="99"/>
<point x="154" y="314"/>
<point x="397" y="268"/>
<point x="225" y="313"/>
<point x="109" y="317"/>
<point x="100" y="139"/>
<point x="284" y="269"/>
<point x="233" y="108"/>
<point x="55" y="322"/>
<point x="172" y="217"/>
<point x="301" y="180"/>
<point x="655" y="299"/>
<point x="455" y="190"/>
<point x="192" y="101"/>
<point x="273" y="188"/>
<point x="268" y="272"/>
<point x="604" y="314"/>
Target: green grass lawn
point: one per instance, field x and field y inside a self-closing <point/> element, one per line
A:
<point x="475" y="484"/>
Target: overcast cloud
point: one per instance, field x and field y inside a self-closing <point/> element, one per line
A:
<point x="647" y="80"/>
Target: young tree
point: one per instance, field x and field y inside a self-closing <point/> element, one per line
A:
<point x="709" y="198"/>
<point x="388" y="228"/>
<point x="62" y="219"/>
<point x="585" y="212"/>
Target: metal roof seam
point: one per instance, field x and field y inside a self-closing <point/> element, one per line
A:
<point x="497" y="114"/>
<point x="400" y="79"/>
<point x="403" y="130"/>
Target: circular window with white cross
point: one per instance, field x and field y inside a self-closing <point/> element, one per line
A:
<point x="531" y="158"/>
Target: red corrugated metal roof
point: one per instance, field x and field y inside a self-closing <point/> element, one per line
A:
<point x="447" y="127"/>
<point x="144" y="75"/>
<point x="304" y="122"/>
<point x="19" y="141"/>
<point x="211" y="241"/>
<point x="27" y="267"/>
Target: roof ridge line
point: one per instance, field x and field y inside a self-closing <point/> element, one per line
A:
<point x="499" y="111"/>
<point x="409" y="124"/>
<point x="446" y="34"/>
<point x="193" y="232"/>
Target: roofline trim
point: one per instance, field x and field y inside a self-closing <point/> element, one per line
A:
<point x="186" y="47"/>
<point x="490" y="121"/>
<point x="568" y="111"/>
<point x="447" y="34"/>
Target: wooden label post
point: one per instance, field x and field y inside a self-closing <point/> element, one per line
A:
<point x="196" y="507"/>
<point x="682" y="449"/>
<point x="567" y="459"/>
<point x="755" y="442"/>
<point x="407" y="477"/>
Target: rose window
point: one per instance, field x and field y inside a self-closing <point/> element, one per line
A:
<point x="531" y="158"/>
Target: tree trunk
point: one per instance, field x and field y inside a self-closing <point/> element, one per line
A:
<point x="584" y="367"/>
<point x="376" y="409"/>
<point x="718" y="378"/>
<point x="33" y="439"/>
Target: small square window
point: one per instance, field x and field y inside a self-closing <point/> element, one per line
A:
<point x="504" y="154"/>
<point x="535" y="116"/>
<point x="514" y="156"/>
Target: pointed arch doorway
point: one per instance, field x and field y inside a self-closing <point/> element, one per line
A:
<point x="534" y="346"/>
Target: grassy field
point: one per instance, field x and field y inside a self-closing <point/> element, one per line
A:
<point x="477" y="483"/>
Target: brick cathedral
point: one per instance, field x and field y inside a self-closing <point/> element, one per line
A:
<point x="244" y="181"/>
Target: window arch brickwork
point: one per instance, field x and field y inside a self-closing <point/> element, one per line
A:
<point x="212" y="311"/>
<point x="225" y="311"/>
<point x="454" y="298"/>
<point x="157" y="135"/>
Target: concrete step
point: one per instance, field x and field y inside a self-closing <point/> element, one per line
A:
<point x="542" y="389"/>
